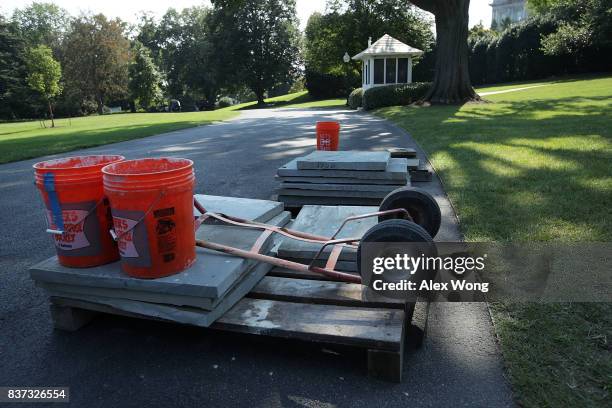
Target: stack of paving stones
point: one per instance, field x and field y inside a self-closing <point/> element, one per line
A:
<point x="342" y="178"/>
<point x="199" y="295"/>
<point x="417" y="174"/>
<point x="325" y="220"/>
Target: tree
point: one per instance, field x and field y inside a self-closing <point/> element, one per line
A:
<point x="262" y="41"/>
<point x="144" y="77"/>
<point x="585" y="26"/>
<point x="183" y="45"/>
<point x="42" y="23"/>
<point x="451" y="84"/>
<point x="12" y="68"/>
<point x="44" y="74"/>
<point x="349" y="24"/>
<point x="96" y="59"/>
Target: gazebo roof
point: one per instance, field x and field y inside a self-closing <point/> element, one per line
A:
<point x="387" y="45"/>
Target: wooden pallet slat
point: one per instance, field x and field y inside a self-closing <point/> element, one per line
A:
<point x="320" y="292"/>
<point x="363" y="327"/>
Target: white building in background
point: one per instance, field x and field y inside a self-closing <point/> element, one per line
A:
<point x="511" y="10"/>
<point x="387" y="61"/>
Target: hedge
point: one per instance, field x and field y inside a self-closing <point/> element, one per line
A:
<point x="391" y="95"/>
<point x="355" y="99"/>
<point x="321" y="85"/>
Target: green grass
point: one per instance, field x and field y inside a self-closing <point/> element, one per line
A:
<point x="534" y="165"/>
<point x="24" y="140"/>
<point x="293" y="100"/>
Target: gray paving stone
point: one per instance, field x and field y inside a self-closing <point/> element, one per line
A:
<point x="339" y="187"/>
<point x="247" y="208"/>
<point x="299" y="201"/>
<point x="396" y="169"/>
<point x="185" y="314"/>
<point x="324" y="221"/>
<point x="413" y="164"/>
<point x="212" y="275"/>
<point x="344" y="160"/>
<point x="406" y="152"/>
<point x="341" y="180"/>
<point x="332" y="193"/>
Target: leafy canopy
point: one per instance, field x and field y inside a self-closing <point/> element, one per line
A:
<point x="145" y="78"/>
<point x="44" y="72"/>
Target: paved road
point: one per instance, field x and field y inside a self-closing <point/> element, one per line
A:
<point x="116" y="361"/>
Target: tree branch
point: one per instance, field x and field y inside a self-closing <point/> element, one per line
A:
<point x="427" y="5"/>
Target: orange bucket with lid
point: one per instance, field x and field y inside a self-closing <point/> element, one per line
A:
<point x="78" y="214"/>
<point x="328" y="135"/>
<point x="152" y="206"/>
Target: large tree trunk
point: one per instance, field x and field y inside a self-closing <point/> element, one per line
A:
<point x="260" y="97"/>
<point x="451" y="83"/>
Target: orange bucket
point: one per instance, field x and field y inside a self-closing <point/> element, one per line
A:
<point x="78" y="214"/>
<point x="328" y="135"/>
<point x="152" y="206"/>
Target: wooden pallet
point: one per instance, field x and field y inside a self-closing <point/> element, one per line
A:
<point x="294" y="305"/>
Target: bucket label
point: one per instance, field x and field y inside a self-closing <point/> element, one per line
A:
<point x="165" y="229"/>
<point x="133" y="242"/>
<point x="81" y="229"/>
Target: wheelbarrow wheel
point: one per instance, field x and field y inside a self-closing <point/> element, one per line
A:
<point x="421" y="206"/>
<point x="392" y="237"/>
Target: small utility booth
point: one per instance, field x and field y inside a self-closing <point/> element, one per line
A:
<point x="387" y="61"/>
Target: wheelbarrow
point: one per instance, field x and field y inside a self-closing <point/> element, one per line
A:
<point x="407" y="214"/>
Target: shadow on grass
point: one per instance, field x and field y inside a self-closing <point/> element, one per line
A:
<point x="525" y="170"/>
<point x="533" y="170"/>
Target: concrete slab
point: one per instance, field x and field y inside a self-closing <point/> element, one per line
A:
<point x="299" y="201"/>
<point x="324" y="221"/>
<point x="405" y="152"/>
<point x="212" y="275"/>
<point x="339" y="187"/>
<point x="247" y="208"/>
<point x="397" y="169"/>
<point x="185" y="314"/>
<point x="413" y="164"/>
<point x="420" y="175"/>
<point x="152" y="297"/>
<point x="334" y="193"/>
<point x="344" y="160"/>
<point x="341" y="180"/>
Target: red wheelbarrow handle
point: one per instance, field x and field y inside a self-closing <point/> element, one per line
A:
<point x="283" y="263"/>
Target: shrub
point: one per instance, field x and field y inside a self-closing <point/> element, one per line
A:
<point x="391" y="95"/>
<point x="355" y="99"/>
<point x="225" y="102"/>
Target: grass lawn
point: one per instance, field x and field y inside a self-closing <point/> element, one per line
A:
<point x="294" y="100"/>
<point x="24" y="140"/>
<point x="534" y="165"/>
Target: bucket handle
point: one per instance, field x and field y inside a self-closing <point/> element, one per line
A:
<point x="116" y="237"/>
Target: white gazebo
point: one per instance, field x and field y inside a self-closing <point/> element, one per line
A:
<point x="387" y="61"/>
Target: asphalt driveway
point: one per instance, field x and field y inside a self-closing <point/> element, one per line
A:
<point x="126" y="362"/>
